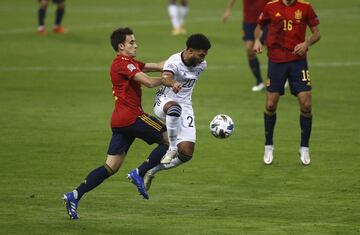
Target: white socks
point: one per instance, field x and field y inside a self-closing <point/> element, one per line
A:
<point x="174" y="16"/>
<point x="177" y="15"/>
<point x="172" y="125"/>
<point x="183" y="10"/>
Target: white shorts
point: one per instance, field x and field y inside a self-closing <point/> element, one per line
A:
<point x="187" y="129"/>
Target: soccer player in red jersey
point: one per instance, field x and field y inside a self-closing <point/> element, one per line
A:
<point x="251" y="12"/>
<point x="287" y="46"/>
<point x="58" y="18"/>
<point x="128" y="120"/>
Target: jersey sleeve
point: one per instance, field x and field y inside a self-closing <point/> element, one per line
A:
<point x="312" y="18"/>
<point x="264" y="17"/>
<point x="170" y="66"/>
<point x="140" y="64"/>
<point x="129" y="68"/>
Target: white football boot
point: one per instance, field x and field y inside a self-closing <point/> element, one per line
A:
<point x="169" y="155"/>
<point x="304" y="155"/>
<point x="148" y="177"/>
<point x="258" y="87"/>
<point x="268" y="154"/>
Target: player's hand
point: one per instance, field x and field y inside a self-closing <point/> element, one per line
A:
<point x="301" y="49"/>
<point x="225" y="17"/>
<point x="176" y="87"/>
<point x="257" y="47"/>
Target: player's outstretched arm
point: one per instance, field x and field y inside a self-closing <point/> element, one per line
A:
<point x="151" y="82"/>
<point x="153" y="67"/>
<point x="146" y="80"/>
<point x="167" y="79"/>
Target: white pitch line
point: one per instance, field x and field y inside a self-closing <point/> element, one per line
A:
<point x="105" y="69"/>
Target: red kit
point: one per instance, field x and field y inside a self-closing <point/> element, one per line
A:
<point x="286" y="28"/>
<point x="126" y="91"/>
<point x="252" y="9"/>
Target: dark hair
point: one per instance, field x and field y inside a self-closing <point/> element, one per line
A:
<point x="119" y="36"/>
<point x="198" y="41"/>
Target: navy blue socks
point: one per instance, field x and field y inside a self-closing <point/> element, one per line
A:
<point x="41" y="15"/>
<point x="305" y="125"/>
<point x="153" y="159"/>
<point x="269" y="122"/>
<point x="59" y="15"/>
<point x="255" y="68"/>
<point x="94" y="178"/>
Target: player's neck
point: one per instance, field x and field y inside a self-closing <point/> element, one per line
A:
<point x="122" y="53"/>
<point x="288" y="2"/>
<point x="184" y="58"/>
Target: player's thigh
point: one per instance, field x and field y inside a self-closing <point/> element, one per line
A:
<point x="272" y="100"/>
<point x="187" y="129"/>
<point x="159" y="107"/>
<point x="277" y="75"/>
<point x="299" y="79"/>
<point x="304" y="99"/>
<point x="149" y="129"/>
<point x="120" y="141"/>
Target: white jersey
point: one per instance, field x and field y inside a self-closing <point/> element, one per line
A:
<point x="186" y="75"/>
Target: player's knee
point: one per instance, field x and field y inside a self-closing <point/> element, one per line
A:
<point x="306" y="111"/>
<point x="251" y="54"/>
<point x="270" y="107"/>
<point x="306" y="108"/>
<point x="110" y="170"/>
<point x="184" y="157"/>
<point x="44" y="3"/>
<point x="174" y="110"/>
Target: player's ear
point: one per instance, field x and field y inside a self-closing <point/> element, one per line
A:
<point x="121" y="46"/>
<point x="190" y="51"/>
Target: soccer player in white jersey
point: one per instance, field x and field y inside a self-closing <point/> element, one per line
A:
<point x="176" y="108"/>
<point x="177" y="13"/>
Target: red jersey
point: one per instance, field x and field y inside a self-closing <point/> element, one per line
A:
<point x="126" y="91"/>
<point x="252" y="9"/>
<point x="286" y="28"/>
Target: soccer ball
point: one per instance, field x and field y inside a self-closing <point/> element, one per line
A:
<point x="222" y="126"/>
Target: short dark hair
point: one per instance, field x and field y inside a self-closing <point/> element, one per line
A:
<point x="198" y="41"/>
<point x="119" y="36"/>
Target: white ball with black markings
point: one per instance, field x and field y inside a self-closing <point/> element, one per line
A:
<point x="222" y="126"/>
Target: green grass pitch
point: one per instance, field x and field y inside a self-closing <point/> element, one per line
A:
<point x="56" y="101"/>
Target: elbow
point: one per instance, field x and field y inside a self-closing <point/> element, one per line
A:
<point x="150" y="84"/>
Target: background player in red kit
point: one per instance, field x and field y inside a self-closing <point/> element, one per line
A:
<point x="128" y="120"/>
<point x="287" y="21"/>
<point x="251" y="12"/>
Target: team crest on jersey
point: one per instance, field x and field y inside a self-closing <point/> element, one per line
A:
<point x="171" y="66"/>
<point x="278" y="14"/>
<point x="298" y="15"/>
<point x="131" y="67"/>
